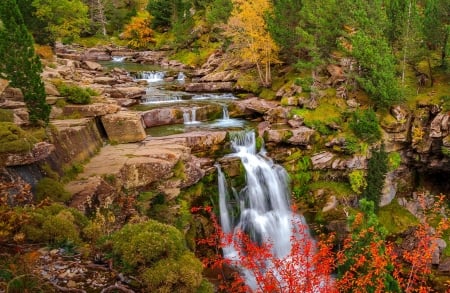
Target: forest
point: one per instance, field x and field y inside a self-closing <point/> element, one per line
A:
<point x="350" y="99"/>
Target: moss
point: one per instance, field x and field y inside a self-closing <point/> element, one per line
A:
<point x="249" y="82"/>
<point x="52" y="189"/>
<point x="54" y="224"/>
<point x="396" y="218"/>
<point x="13" y="139"/>
<point x="179" y="170"/>
<point x="339" y="189"/>
<point x="6" y="115"/>
<point x="267" y="94"/>
<point x="326" y="113"/>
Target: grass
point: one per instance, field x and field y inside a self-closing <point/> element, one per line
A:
<point x="339" y="189"/>
<point x="396" y="218"/>
<point x="16" y="140"/>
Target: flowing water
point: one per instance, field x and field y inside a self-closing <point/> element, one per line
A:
<point x="263" y="204"/>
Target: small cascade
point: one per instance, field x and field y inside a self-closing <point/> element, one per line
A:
<point x="161" y="100"/>
<point x="225" y="114"/>
<point x="263" y="204"/>
<point x="181" y="77"/>
<point x="151" y="76"/>
<point x="189" y="116"/>
<point x="118" y="58"/>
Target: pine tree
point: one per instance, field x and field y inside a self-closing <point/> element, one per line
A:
<point x="19" y="63"/>
<point x="376" y="172"/>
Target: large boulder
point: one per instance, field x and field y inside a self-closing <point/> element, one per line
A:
<point x="298" y="136"/>
<point x="124" y="127"/>
<point x="226" y="86"/>
<point x="90" y="194"/>
<point x="126" y="92"/>
<point x="256" y="105"/>
<point x="90" y="65"/>
<point x="91" y="110"/>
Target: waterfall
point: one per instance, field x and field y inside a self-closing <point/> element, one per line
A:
<point x="181" y="77"/>
<point x="189" y="116"/>
<point x="264" y="206"/>
<point x="151" y="76"/>
<point x="225" y="115"/>
<point x="118" y="58"/>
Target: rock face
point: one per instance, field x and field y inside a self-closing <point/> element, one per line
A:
<point x="91" y="110"/>
<point x="91" y="193"/>
<point x="75" y="141"/>
<point x="124" y="127"/>
<point x="40" y="151"/>
<point x="175" y="115"/>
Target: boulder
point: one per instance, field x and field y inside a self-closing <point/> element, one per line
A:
<point x="105" y="80"/>
<point x="13" y="94"/>
<point x="209" y="86"/>
<point x="440" y="125"/>
<point x="322" y="160"/>
<point x="91" y="110"/>
<point x="162" y="116"/>
<point x="289" y="90"/>
<point x="90" y="194"/>
<point x="277" y="114"/>
<point x="257" y="105"/>
<point x="51" y="90"/>
<point x="124" y="127"/>
<point x="75" y="140"/>
<point x="301" y="136"/>
<point x="126" y="92"/>
<point x="96" y="54"/>
<point x="90" y="65"/>
<point x="197" y="141"/>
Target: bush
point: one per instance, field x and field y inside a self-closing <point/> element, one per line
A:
<point x="357" y="181"/>
<point x="181" y="275"/>
<point x="365" y="125"/>
<point x="53" y="189"/>
<point x="55" y="224"/>
<point x="75" y="94"/>
<point x="394" y="161"/>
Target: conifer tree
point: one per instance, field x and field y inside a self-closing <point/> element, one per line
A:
<point x="19" y="63"/>
<point x="376" y="172"/>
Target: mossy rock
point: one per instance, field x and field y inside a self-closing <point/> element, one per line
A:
<point x="396" y="218"/>
<point x="14" y="139"/>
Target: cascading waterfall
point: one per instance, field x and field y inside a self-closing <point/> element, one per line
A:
<point x="225" y="114"/>
<point x="264" y="206"/>
<point x="189" y="116"/>
<point x="181" y="77"/>
<point x="118" y="58"/>
<point x="151" y="76"/>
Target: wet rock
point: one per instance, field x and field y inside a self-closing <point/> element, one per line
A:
<point x="124" y="127"/>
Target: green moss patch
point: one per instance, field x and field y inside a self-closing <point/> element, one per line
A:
<point x="396" y="218"/>
<point x="14" y="139"/>
<point x="339" y="189"/>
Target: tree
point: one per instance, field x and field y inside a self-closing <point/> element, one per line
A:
<point x="138" y="31"/>
<point x="282" y="24"/>
<point x="370" y="47"/>
<point x="248" y="29"/>
<point x="65" y="19"/>
<point x="364" y="263"/>
<point x="35" y="25"/>
<point x="376" y="172"/>
<point x="19" y="63"/>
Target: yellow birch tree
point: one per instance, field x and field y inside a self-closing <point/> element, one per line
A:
<point x="247" y="28"/>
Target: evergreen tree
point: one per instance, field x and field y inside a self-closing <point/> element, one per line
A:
<point x="436" y="26"/>
<point x="282" y="24"/>
<point x="370" y="47"/>
<point x="19" y="63"/>
<point x="376" y="172"/>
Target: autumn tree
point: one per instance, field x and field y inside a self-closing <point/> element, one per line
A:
<point x="138" y="31"/>
<point x="364" y="263"/>
<point x="19" y="63"/>
<point x="252" y="41"/>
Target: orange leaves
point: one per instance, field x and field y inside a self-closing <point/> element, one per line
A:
<point x="138" y="31"/>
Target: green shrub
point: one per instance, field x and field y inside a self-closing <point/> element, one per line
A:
<point x="357" y="180"/>
<point x="365" y="125"/>
<point x="14" y="139"/>
<point x="394" y="161"/>
<point x="53" y="189"/>
<point x="147" y="243"/>
<point x="6" y="115"/>
<point x="305" y="83"/>
<point x="174" y="275"/>
<point x="55" y="225"/>
<point x="376" y="172"/>
<point x="445" y="151"/>
<point x="75" y="94"/>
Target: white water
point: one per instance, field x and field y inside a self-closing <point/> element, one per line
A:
<point x="118" y="58"/>
<point x="151" y="76"/>
<point x="189" y="116"/>
<point x="264" y="206"/>
<point x="181" y="77"/>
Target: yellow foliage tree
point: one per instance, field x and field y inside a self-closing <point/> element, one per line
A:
<point x="138" y="31"/>
<point x="248" y="29"/>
